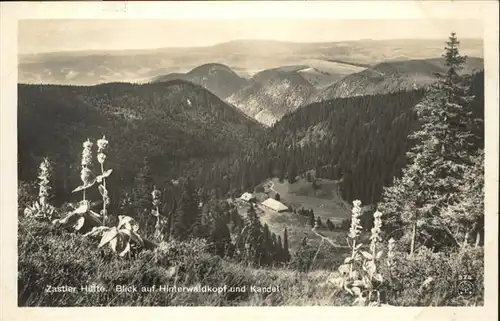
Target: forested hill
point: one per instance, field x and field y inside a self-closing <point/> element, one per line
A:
<point x="359" y="141"/>
<point x="176" y="125"/>
<point x="218" y="78"/>
<point x="392" y="76"/>
<point x="272" y="93"/>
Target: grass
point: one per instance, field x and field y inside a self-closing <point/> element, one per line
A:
<point x="53" y="257"/>
<point x="48" y="256"/>
<point x="301" y="194"/>
<point x="324" y="201"/>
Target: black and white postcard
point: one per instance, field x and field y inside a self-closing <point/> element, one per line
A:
<point x="250" y="154"/>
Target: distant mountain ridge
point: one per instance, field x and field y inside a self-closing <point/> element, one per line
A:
<point x="391" y="76"/>
<point x="94" y="67"/>
<point x="218" y="78"/>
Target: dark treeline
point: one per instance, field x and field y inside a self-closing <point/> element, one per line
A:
<point x="359" y="141"/>
<point x="183" y="130"/>
<point x="179" y="127"/>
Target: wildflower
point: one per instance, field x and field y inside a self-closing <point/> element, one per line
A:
<point x="156" y="194"/>
<point x="105" y="197"/>
<point x="102" y="144"/>
<point x="85" y="175"/>
<point x="44" y="177"/>
<point x="87" y="153"/>
<point x="101" y="157"/>
<point x="375" y="237"/>
<point x="42" y="209"/>
<point x="87" y="144"/>
<point x="355" y="229"/>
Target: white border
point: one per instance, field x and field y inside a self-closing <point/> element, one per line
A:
<point x="487" y="11"/>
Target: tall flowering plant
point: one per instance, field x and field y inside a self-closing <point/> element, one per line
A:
<point x="86" y="172"/>
<point x="156" y="195"/>
<point x="359" y="271"/>
<point x="44" y="183"/>
<point x="82" y="214"/>
<point x="41" y="209"/>
<point x="102" y="145"/>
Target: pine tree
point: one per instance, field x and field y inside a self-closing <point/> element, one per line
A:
<point x="220" y="237"/>
<point x="431" y="180"/>
<point x="304" y="241"/>
<point x="279" y="250"/>
<point x="312" y="220"/>
<point x="188" y="213"/>
<point x="319" y="223"/>
<point x="236" y="221"/>
<point x="466" y="217"/>
<point x="143" y="184"/>
<point x="253" y="236"/>
<point x="268" y="247"/>
<point x="286" y="251"/>
<point x="275" y="243"/>
<point x="292" y="171"/>
<point x="203" y="225"/>
<point x="330" y="225"/>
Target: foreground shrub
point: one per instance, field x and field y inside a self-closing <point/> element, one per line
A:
<point x="55" y="257"/>
<point x="431" y="278"/>
<point x="26" y="192"/>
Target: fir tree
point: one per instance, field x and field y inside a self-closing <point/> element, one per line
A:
<point x="432" y="179"/>
<point x="279" y="250"/>
<point x="319" y="223"/>
<point x="286" y="252"/>
<point x="304" y="241"/>
<point x="330" y="225"/>
<point x="292" y="172"/>
<point x="188" y="213"/>
<point x="312" y="220"/>
<point x="203" y="225"/>
<point x="220" y="237"/>
<point x="253" y="236"/>
<point x="275" y="243"/>
<point x="466" y="218"/>
<point x="143" y="184"/>
<point x="268" y="247"/>
<point x="236" y="221"/>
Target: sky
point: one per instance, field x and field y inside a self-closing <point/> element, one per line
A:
<point x="36" y="36"/>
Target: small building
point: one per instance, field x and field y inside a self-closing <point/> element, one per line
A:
<point x="247" y="197"/>
<point x="274" y="205"/>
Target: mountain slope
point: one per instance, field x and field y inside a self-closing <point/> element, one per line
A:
<point x="177" y="125"/>
<point x="271" y="94"/>
<point x="359" y="142"/>
<point x="218" y="78"/>
<point x="391" y="76"/>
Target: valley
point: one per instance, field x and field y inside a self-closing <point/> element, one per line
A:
<point x="252" y="161"/>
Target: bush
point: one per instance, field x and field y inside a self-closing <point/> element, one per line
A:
<point x="408" y="274"/>
<point x="259" y="189"/>
<point x="26" y="194"/>
<point x="310" y="258"/>
<point x="51" y="256"/>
